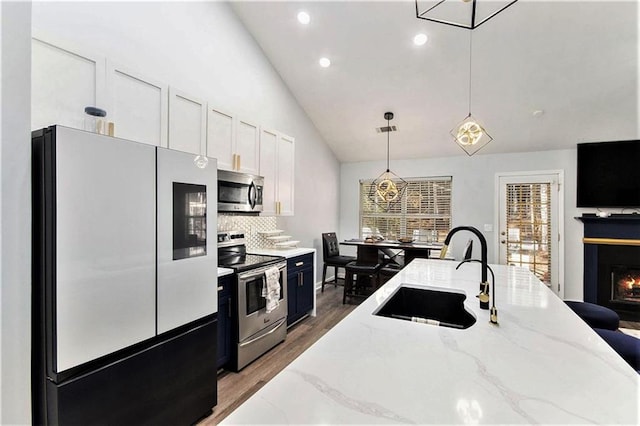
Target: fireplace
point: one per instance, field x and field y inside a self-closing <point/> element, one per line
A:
<point x="612" y="263"/>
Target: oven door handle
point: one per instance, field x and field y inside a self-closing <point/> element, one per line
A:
<point x="248" y="342"/>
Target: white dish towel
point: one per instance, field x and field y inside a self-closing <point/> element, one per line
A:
<point x="271" y="288"/>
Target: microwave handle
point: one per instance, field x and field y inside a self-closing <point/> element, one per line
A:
<point x="252" y="195"/>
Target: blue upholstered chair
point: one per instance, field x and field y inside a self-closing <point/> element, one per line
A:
<point x="595" y="315"/>
<point x="628" y="347"/>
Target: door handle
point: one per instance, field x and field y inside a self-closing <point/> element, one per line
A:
<point x="252" y="195"/>
<point x="282" y="321"/>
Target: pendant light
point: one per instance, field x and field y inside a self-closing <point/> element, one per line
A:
<point x="387" y="189"/>
<point x="460" y="13"/>
<point x="469" y="134"/>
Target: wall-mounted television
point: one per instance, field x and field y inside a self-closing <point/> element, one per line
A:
<point x="609" y="174"/>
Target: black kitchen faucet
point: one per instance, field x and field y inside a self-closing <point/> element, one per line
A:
<point x="484" y="284"/>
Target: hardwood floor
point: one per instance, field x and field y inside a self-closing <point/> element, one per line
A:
<point x="235" y="388"/>
<point x="630" y="325"/>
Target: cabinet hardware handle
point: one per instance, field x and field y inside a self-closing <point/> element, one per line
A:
<point x="300" y="279"/>
<point x="220" y="288"/>
<point x="503" y="241"/>
<point x="229" y="308"/>
<point x="299" y="263"/>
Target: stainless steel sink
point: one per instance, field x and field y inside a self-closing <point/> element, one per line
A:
<point x="430" y="306"/>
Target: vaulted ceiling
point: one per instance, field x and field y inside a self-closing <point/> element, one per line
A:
<point x="544" y="74"/>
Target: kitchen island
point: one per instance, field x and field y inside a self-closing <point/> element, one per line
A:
<point x="541" y="364"/>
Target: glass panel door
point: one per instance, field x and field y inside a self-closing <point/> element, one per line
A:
<point x="529" y="217"/>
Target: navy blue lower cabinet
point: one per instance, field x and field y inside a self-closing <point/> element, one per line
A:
<point x="224" y="320"/>
<point x="300" y="287"/>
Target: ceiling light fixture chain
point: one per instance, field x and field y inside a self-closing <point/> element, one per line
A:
<point x="387" y="189"/>
<point x="470" y="68"/>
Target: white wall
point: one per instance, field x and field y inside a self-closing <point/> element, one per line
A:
<point x="15" y="213"/>
<point x="474" y="199"/>
<point x="203" y="49"/>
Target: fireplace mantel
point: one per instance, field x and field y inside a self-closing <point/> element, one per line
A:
<point x="615" y="217"/>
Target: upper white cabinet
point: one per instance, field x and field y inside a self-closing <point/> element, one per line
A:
<point x="138" y="106"/>
<point x="221" y="136"/>
<point x="187" y="122"/>
<point x="247" y="147"/>
<point x="63" y="83"/>
<point x="234" y="142"/>
<point x="285" y="173"/>
<point x="277" y="167"/>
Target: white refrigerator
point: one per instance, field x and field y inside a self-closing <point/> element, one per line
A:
<point x="124" y="281"/>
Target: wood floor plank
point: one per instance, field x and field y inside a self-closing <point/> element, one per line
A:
<point x="236" y="388"/>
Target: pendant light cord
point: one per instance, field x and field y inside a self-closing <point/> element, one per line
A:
<point x="470" y="58"/>
<point x="388" y="131"/>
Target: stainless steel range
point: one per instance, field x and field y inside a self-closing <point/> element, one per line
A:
<point x="255" y="330"/>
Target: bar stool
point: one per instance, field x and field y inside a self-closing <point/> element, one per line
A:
<point x="595" y="316"/>
<point x="363" y="273"/>
<point x="332" y="256"/>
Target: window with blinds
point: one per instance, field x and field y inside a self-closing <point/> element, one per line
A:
<point x="424" y="212"/>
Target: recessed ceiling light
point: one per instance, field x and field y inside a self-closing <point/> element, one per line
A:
<point x="420" y="39"/>
<point x="324" y="62"/>
<point x="304" y="18"/>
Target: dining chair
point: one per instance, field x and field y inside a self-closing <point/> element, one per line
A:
<point x="332" y="256"/>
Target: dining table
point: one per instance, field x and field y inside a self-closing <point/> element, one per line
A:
<point x="368" y="251"/>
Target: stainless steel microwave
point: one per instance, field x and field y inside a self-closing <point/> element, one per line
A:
<point x="239" y="192"/>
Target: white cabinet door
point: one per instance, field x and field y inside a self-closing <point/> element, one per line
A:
<point x="63" y="83"/>
<point x="277" y="167"/>
<point x="105" y="293"/>
<point x="138" y="106"/>
<point x="268" y="165"/>
<point x="285" y="178"/>
<point x="248" y="147"/>
<point x="187" y="122"/>
<point x="187" y="245"/>
<point x="221" y="138"/>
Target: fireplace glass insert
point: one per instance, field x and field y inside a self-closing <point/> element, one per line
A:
<point x="625" y="284"/>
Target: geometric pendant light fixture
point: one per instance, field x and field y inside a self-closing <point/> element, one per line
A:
<point x="387" y="189"/>
<point x="469" y="14"/>
<point x="469" y="134"/>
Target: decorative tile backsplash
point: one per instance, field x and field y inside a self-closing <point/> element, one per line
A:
<point x="250" y="225"/>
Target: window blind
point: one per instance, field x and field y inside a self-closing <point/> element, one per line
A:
<point x="424" y="212"/>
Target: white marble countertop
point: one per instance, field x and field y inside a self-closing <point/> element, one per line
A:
<point x="224" y="271"/>
<point x="288" y="253"/>
<point x="542" y="364"/>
